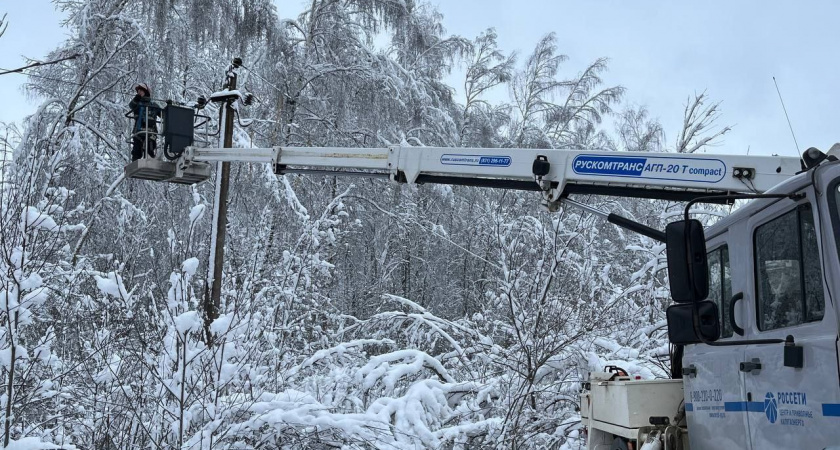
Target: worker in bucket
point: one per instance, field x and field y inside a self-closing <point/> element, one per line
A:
<point x="144" y="133"/>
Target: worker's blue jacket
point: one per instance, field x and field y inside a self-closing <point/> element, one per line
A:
<point x="145" y="112"/>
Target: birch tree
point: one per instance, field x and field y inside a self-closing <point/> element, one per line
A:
<point x="355" y="313"/>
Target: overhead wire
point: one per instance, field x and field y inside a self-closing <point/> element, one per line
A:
<point x="73" y="83"/>
<point x="264" y="80"/>
<point x="38" y="64"/>
<point x="22" y="71"/>
<point x="122" y="93"/>
<point x="57" y="80"/>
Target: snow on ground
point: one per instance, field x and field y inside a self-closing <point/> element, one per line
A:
<point x="33" y="443"/>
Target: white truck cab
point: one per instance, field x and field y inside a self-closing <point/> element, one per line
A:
<point x="778" y="259"/>
<point x="769" y="375"/>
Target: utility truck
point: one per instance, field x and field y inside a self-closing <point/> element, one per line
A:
<point x="754" y="324"/>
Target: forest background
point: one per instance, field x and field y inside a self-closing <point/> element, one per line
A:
<point x="355" y="313"/>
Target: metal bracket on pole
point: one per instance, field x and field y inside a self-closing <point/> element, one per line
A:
<point x="552" y="198"/>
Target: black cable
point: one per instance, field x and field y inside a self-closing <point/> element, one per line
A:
<point x="239" y="119"/>
<point x="676" y="361"/>
<point x="265" y="80"/>
<point x="38" y="64"/>
<point x="123" y="93"/>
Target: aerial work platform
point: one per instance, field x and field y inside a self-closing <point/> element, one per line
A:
<point x="177" y="125"/>
<point x="156" y="170"/>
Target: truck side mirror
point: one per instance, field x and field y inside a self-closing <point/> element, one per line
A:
<point x="681" y="326"/>
<point x="688" y="271"/>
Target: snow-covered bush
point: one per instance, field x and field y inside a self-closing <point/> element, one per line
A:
<point x="355" y="313"/>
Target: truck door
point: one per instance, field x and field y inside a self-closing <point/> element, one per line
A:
<point x="712" y="379"/>
<point x="788" y="406"/>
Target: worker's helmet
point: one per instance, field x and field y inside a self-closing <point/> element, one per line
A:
<point x="145" y="87"/>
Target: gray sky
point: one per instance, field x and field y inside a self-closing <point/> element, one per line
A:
<point x="664" y="51"/>
<point x="34" y="30"/>
<point x="661" y="51"/>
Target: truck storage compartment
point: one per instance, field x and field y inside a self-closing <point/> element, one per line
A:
<point x="631" y="403"/>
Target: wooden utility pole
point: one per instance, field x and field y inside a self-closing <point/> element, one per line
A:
<point x="213" y="286"/>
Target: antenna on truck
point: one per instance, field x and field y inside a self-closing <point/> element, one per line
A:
<point x="798" y="151"/>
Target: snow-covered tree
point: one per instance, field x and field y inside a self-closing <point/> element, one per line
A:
<point x="354" y="313"/>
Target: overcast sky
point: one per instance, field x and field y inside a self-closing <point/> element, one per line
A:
<point x="661" y="51"/>
<point x="33" y="30"/>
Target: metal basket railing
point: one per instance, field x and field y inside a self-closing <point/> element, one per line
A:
<point x="155" y="140"/>
<point x="144" y="134"/>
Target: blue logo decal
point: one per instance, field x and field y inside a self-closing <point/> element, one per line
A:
<point x="770" y="409"/>
<point x="673" y="168"/>
<point x="475" y="160"/>
<point x="627" y="166"/>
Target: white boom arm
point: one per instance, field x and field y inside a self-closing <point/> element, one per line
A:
<point x="555" y="172"/>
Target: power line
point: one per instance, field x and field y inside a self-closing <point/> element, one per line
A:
<point x="255" y="73"/>
<point x="73" y="83"/>
<point x="121" y="93"/>
<point x="39" y="63"/>
<point x="57" y="80"/>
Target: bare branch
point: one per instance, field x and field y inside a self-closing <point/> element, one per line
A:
<point x="698" y="119"/>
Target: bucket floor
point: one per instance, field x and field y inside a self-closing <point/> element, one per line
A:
<point x="155" y="170"/>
